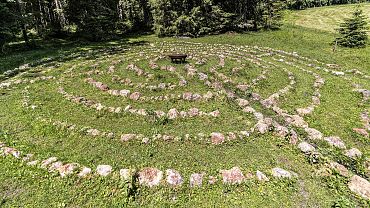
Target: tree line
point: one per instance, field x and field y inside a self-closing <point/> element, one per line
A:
<point x="98" y="20"/>
<point x="304" y="4"/>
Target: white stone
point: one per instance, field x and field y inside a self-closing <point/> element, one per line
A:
<point x="353" y="153"/>
<point x="196" y="179"/>
<point x="47" y="162"/>
<point x="150" y="177"/>
<point x="104" y="170"/>
<point x="360" y="186"/>
<point x="261" y="176"/>
<point x="84" y="172"/>
<point x="281" y="173"/>
<point x="336" y="142"/>
<point x="313" y="134"/>
<point x="306" y="147"/>
<point x="232" y="176"/>
<point x="173" y="177"/>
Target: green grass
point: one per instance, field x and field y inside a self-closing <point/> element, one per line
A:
<point x="326" y="18"/>
<point x="23" y="186"/>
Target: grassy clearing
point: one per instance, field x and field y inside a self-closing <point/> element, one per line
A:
<point x="30" y="187"/>
<point x="325" y="18"/>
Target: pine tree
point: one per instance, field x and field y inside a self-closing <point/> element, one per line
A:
<point x="353" y="31"/>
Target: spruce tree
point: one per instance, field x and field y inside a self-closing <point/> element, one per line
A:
<point x="353" y="31"/>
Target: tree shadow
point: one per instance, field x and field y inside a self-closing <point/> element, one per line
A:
<point x="54" y="52"/>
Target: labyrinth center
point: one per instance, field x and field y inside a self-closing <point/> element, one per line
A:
<point x="136" y="109"/>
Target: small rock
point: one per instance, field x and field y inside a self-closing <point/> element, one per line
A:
<point x="232" y="176"/>
<point x="306" y="147"/>
<point x="297" y="121"/>
<point x="172" y="114"/>
<point x="242" y="102"/>
<point x="313" y="134"/>
<point x="55" y="166"/>
<point x="363" y="132"/>
<point x="261" y="176"/>
<point x="217" y="138"/>
<point x="360" y="186"/>
<point x="33" y="163"/>
<point x="127" y="137"/>
<point x="104" y="170"/>
<point x="293" y="137"/>
<point x="47" y="162"/>
<point x="281" y="173"/>
<point x="67" y="169"/>
<point x="84" y="172"/>
<point x="336" y="142"/>
<point x="340" y="168"/>
<point x="135" y="96"/>
<point x="196" y="179"/>
<point x="353" y="153"/>
<point x="173" y="177"/>
<point x="305" y="111"/>
<point x="150" y="177"/>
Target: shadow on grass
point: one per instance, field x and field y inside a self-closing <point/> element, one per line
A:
<point x="59" y="51"/>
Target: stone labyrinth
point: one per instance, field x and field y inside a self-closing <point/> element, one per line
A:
<point x="223" y="93"/>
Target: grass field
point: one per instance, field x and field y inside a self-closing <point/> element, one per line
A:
<point x="326" y="18"/>
<point x="53" y="112"/>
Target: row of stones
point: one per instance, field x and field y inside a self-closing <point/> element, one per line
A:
<point x="171" y="114"/>
<point x="357" y="184"/>
<point x="149" y="177"/>
<point x="266" y="51"/>
<point x="15" y="82"/>
<point x="136" y="96"/>
<point x="215" y="138"/>
<point x="365" y="129"/>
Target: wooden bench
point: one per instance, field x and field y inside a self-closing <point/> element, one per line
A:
<point x="178" y="58"/>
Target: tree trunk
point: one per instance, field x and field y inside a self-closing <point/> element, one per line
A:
<point x="22" y="23"/>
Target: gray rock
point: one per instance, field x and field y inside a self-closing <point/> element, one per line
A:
<point x="306" y="147"/>
<point x="336" y="142"/>
<point x="281" y="173"/>
<point x="343" y="171"/>
<point x="313" y="134"/>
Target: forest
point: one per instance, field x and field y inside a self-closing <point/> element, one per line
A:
<point x="97" y="20"/>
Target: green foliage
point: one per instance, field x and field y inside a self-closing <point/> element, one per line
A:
<point x="202" y="17"/>
<point x="95" y="20"/>
<point x="7" y="23"/>
<point x="353" y="31"/>
<point x="343" y="202"/>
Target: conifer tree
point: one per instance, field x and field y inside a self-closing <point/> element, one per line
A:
<point x="353" y="31"/>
